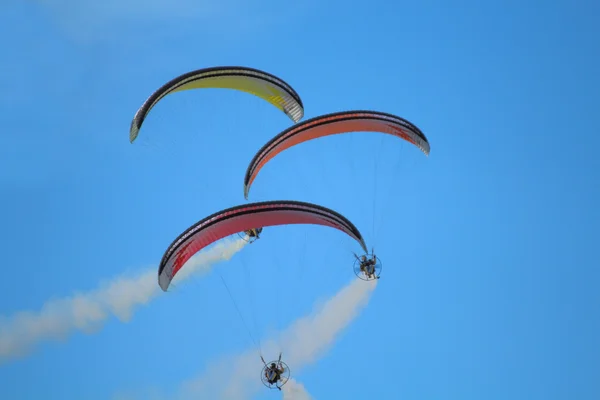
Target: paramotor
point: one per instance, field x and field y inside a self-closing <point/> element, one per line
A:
<point x="367" y="267"/>
<point x="250" y="235"/>
<point x="274" y="374"/>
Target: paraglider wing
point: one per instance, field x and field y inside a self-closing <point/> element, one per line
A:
<point x="249" y="80"/>
<point x="332" y="124"/>
<point x="244" y="217"/>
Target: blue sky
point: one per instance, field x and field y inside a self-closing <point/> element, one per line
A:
<point x="489" y="284"/>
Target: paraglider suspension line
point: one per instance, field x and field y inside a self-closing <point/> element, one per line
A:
<point x="238" y="310"/>
<point x="249" y="277"/>
<point x="374" y="196"/>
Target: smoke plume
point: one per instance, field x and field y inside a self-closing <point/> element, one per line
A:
<point x="295" y="391"/>
<point x="87" y="311"/>
<point x="303" y="343"/>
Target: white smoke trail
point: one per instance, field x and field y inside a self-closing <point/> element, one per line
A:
<point x="295" y="391"/>
<point x="87" y="311"/>
<point x="303" y="343"/>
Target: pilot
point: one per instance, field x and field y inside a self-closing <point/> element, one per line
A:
<point x="368" y="265"/>
<point x="273" y="374"/>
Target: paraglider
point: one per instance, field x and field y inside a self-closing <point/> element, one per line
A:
<point x="274" y="374"/>
<point x="332" y="124"/>
<point x="243" y="218"/>
<point x="256" y="82"/>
